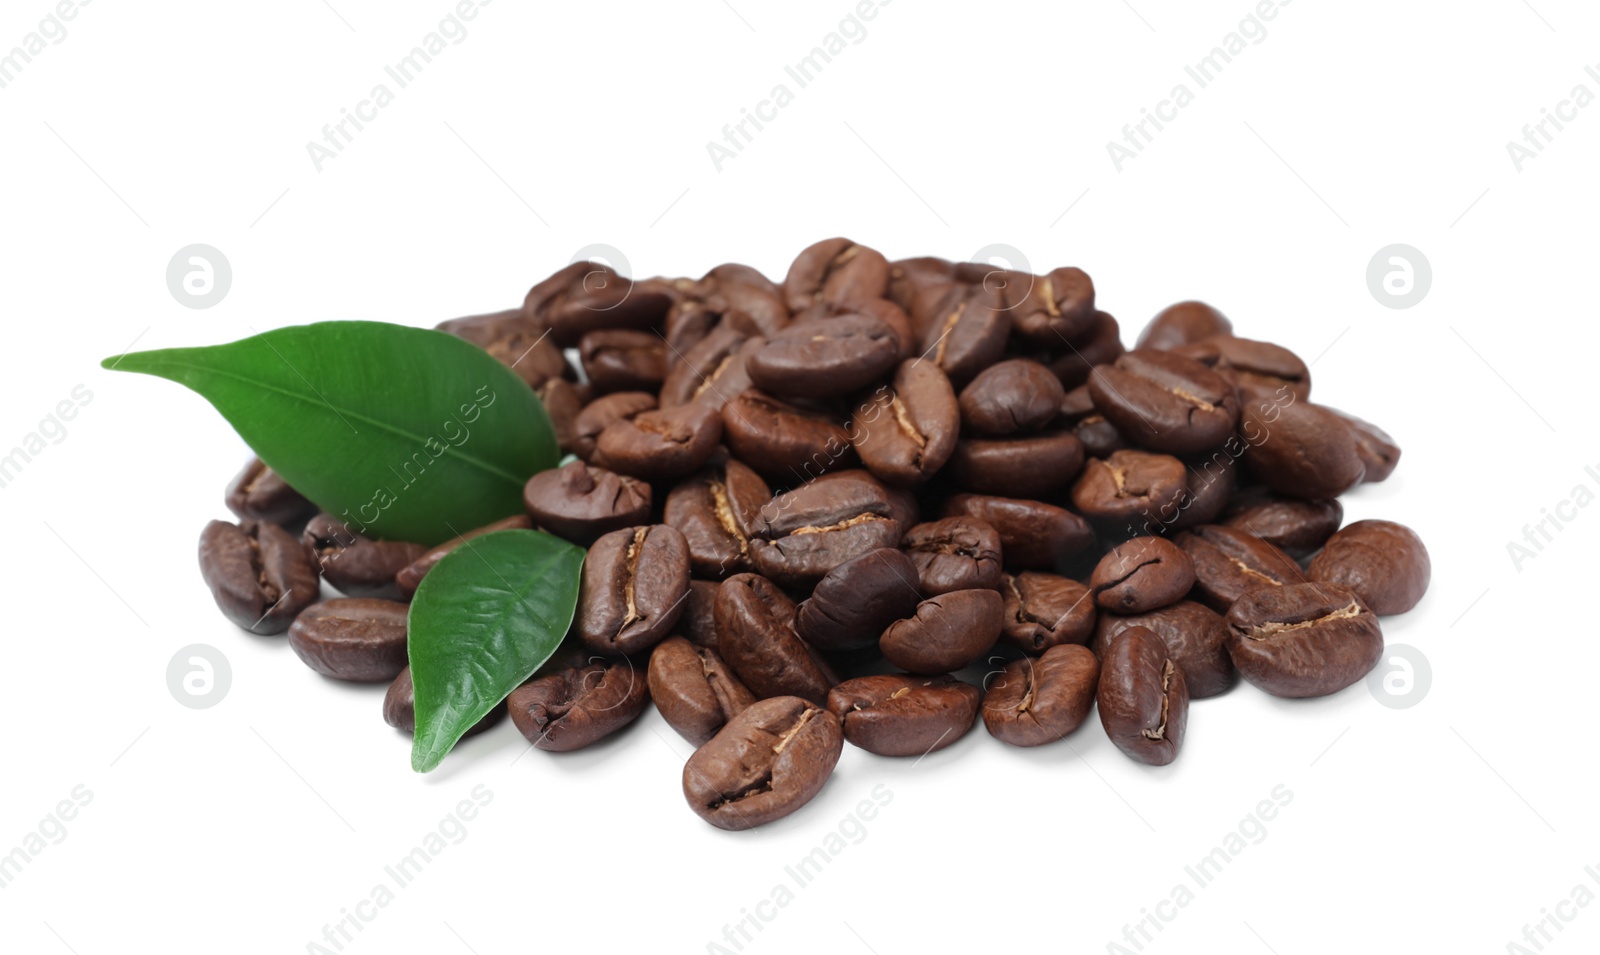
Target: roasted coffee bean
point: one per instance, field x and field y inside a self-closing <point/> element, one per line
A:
<point x="911" y="281"/>
<point x="352" y="638"/>
<point x="1209" y="484"/>
<point x="635" y="583"/>
<point x="603" y="412"/>
<point x="400" y="708"/>
<point x="1183" y="323"/>
<point x="835" y="272"/>
<point x="825" y="357"/>
<point x="857" y="600"/>
<point x="784" y="442"/>
<point x="1165" y="402"/>
<point x="1050" y="309"/>
<point x="1012" y="397"/>
<point x="516" y="342"/>
<point x="715" y="510"/>
<point x="1143" y="697"/>
<point x="1383" y="563"/>
<point x="1262" y="369"/>
<point x="571" y="708"/>
<point x="699" y="620"/>
<point x="882" y="309"/>
<point x="1030" y="466"/>
<point x="1140" y="575"/>
<point x="1377" y="451"/>
<point x="897" y="714"/>
<point x="357" y="565"/>
<point x="767" y="762"/>
<point x="1300" y="449"/>
<point x="712" y="372"/>
<point x="660" y="445"/>
<point x="694" y="689"/>
<point x="607" y="301"/>
<point x="802" y="534"/>
<point x="968" y="333"/>
<point x="1044" y="611"/>
<point x="563" y="401"/>
<point x="1130" y="491"/>
<point x="1303" y="640"/>
<point x="1100" y="344"/>
<point x="734" y="289"/>
<point x="552" y="292"/>
<point x="956" y="553"/>
<point x="1229" y="563"/>
<point x="1296" y="527"/>
<point x="1037" y="701"/>
<point x="756" y="635"/>
<point x="411" y="575"/>
<point x="259" y="575"/>
<point x="1033" y="535"/>
<point x="907" y="431"/>
<point x="581" y="503"/>
<point x="257" y="493"/>
<point x="946" y="633"/>
<point x="1196" y="636"/>
<point x="622" y="360"/>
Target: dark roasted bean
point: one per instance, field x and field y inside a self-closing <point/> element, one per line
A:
<point x="601" y="413"/>
<point x="1183" y="323"/>
<point x="1128" y="493"/>
<point x="897" y="714"/>
<point x="258" y="493"/>
<point x="1229" y="563"/>
<point x="857" y="600"/>
<point x="1383" y="563"/>
<point x="622" y="360"/>
<point x="767" y="762"/>
<point x="1140" y="575"/>
<point x="1195" y="635"/>
<point x="946" y="633"/>
<point x="660" y="445"/>
<point x="756" y="635"/>
<point x="784" y="442"/>
<point x="1037" y="701"/>
<point x="635" y="583"/>
<point x="715" y="510"/>
<point x="1045" y="610"/>
<point x="825" y="357"/>
<point x="581" y="503"/>
<point x="835" y="272"/>
<point x="696" y="692"/>
<point x="572" y="708"/>
<point x="956" y="553"/>
<point x="352" y="638"/>
<point x="258" y="573"/>
<point x="1033" y="535"/>
<point x="1011" y="397"/>
<point x="804" y="533"/>
<point x="1303" y="640"/>
<point x="357" y="565"/>
<point x="1143" y="697"/>
<point x="907" y="431"/>
<point x="1165" y="402"/>
<point x="1296" y="527"/>
<point x="1300" y="449"/>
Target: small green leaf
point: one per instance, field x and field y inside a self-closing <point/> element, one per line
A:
<point x="482" y="621"/>
<point x="406" y="433"/>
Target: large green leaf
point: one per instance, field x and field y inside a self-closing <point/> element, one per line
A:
<point x="482" y="621"/>
<point x="408" y="433"/>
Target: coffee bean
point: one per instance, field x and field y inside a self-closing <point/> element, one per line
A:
<point x="1257" y="368"/>
<point x="1033" y="535"/>
<point x="804" y="533"/>
<point x="912" y="281"/>
<point x="1099" y="344"/>
<point x="1377" y="451"/>
<point x="699" y="620"/>
<point x="696" y="692"/>
<point x="946" y="633"/>
<point x="1229" y="563"/>
<point x="1143" y="697"/>
<point x="601" y="301"/>
<point x="825" y="357"/>
<point x="623" y="360"/>
<point x="411" y="575"/>
<point x="357" y="565"/>
<point x="1011" y="397"/>
<point x="635" y="583"/>
<point x="400" y="708"/>
<point x="1050" y="309"/>
<point x="1296" y="527"/>
<point x="784" y="442"/>
<point x="956" y="553"/>
<point x="835" y="272"/>
<point x="715" y="510"/>
<point x="1183" y="323"/>
<point x="1165" y="402"/>
<point x="581" y="503"/>
<point x="770" y="760"/>
<point x="515" y="341"/>
<point x="756" y="635"/>
<point x="968" y="333"/>
<point x="857" y="600"/>
<point x="1196" y="636"/>
<point x="1030" y="466"/>
<point x="572" y="708"/>
<point x="1209" y="484"/>
<point x="1300" y="450"/>
<point x="1044" y="611"/>
<point x="1383" y="563"/>
<point x="259" y="575"/>
<point x="603" y="412"/>
<point x="898" y="714"/>
<point x="258" y="493"/>
<point x="1140" y="575"/>
<point x="352" y="638"/>
<point x="563" y="401"/>
<point x="714" y="371"/>
<point x="660" y="445"/>
<point x="1130" y="491"/>
<point x="1037" y="701"/>
<point x="906" y="432"/>
<point x="1303" y="640"/>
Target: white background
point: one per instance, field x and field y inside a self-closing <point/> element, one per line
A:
<point x="249" y="826"/>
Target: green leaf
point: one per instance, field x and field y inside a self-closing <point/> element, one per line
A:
<point x="482" y="621"/>
<point x="406" y="433"/>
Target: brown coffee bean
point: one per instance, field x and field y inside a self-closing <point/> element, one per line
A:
<point x="352" y="638"/>
<point x="825" y="357"/>
<point x="259" y="575"/>
<point x="1011" y="397"/>
<point x="1377" y="451"/>
<point x="694" y="689"/>
<point x="660" y="445"/>
<point x="857" y="600"/>
<point x="1099" y="344"/>
<point x="699" y="620"/>
<point x="946" y="633"/>
<point x="1033" y="535"/>
<point x="604" y="411"/>
<point x="1229" y="563"/>
<point x="1262" y="369"/>
<point x="906" y="432"/>
<point x="357" y="565"/>
<point x="400" y="708"/>
<point x="1300" y="449"/>
<point x="714" y="371"/>
<point x="1196" y="636"/>
<point x="1029" y="466"/>
<point x="1165" y="402"/>
<point x="1143" y="697"/>
<point x="898" y="714"/>
<point x="911" y="281"/>
<point x="411" y="575"/>
<point x="1383" y="563"/>
<point x="956" y="553"/>
<point x="602" y="300"/>
<point x="770" y="760"/>
<point x="756" y="636"/>
<point x="1303" y="640"/>
<point x="804" y="533"/>
<point x="581" y="503"/>
<point x="968" y="333"/>
<point x="1044" y="611"/>
<point x="1183" y="323"/>
<point x="258" y="493"/>
<point x="1140" y="575"/>
<point x="1037" y="701"/>
<point x="1296" y="527"/>
<point x="623" y="360"/>
<point x="785" y="443"/>
<point x="715" y="510"/>
<point x="1130" y="491"/>
<point x="635" y="583"/>
<point x="563" y="401"/>
<point x="1209" y="485"/>
<point x="836" y="272"/>
<point x="515" y="341"/>
<point x="1050" y="309"/>
<point x="572" y="708"/>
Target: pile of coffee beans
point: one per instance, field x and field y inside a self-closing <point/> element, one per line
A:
<point x="873" y="502"/>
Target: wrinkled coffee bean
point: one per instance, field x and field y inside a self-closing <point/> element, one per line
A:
<point x="824" y="357"/>
<point x="1196" y="636"/>
<point x="968" y="333"/>
<point x="358" y="639"/>
<point x="851" y="606"/>
<point x="577" y="706"/>
<point x="603" y="412"/>
<point x="1300" y="450"/>
<point x="756" y="635"/>
<point x="400" y="708"/>
<point x="835" y="272"/>
<point x="714" y="371"/>
<point x="715" y="510"/>
<point x="1304" y="639"/>
<point x="1140" y="575"/>
<point x="898" y="714"/>
<point x="906" y="432"/>
<point x="1256" y="368"/>
<point x="1100" y="344"/>
<point x="1029" y="466"/>
<point x="258" y="493"/>
<point x="581" y="503"/>
<point x="802" y="534"/>
<point x="660" y="445"/>
<point x="259" y="575"/>
<point x="357" y="565"/>
<point x="1011" y="397"/>
<point x="1044" y="611"/>
<point x="770" y="760"/>
<point x="515" y="341"/>
<point x="1037" y="701"/>
<point x="1165" y="402"/>
<point x="699" y="620"/>
<point x="1383" y="563"/>
<point x="946" y="633"/>
<point x="784" y="442"/>
<point x="623" y="360"/>
<point x="696" y="692"/>
<point x="1229" y="563"/>
<point x="1183" y="323"/>
<point x="635" y="583"/>
<point x="1052" y="308"/>
<point x="1378" y="453"/>
<point x="1129" y="491"/>
<point x="911" y="281"/>
<point x="411" y="575"/>
<point x="1296" y="527"/>
<point x="1208" y="486"/>
<point x="956" y="553"/>
<point x="602" y="301"/>
<point x="1033" y="535"/>
<point x="1143" y="697"/>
